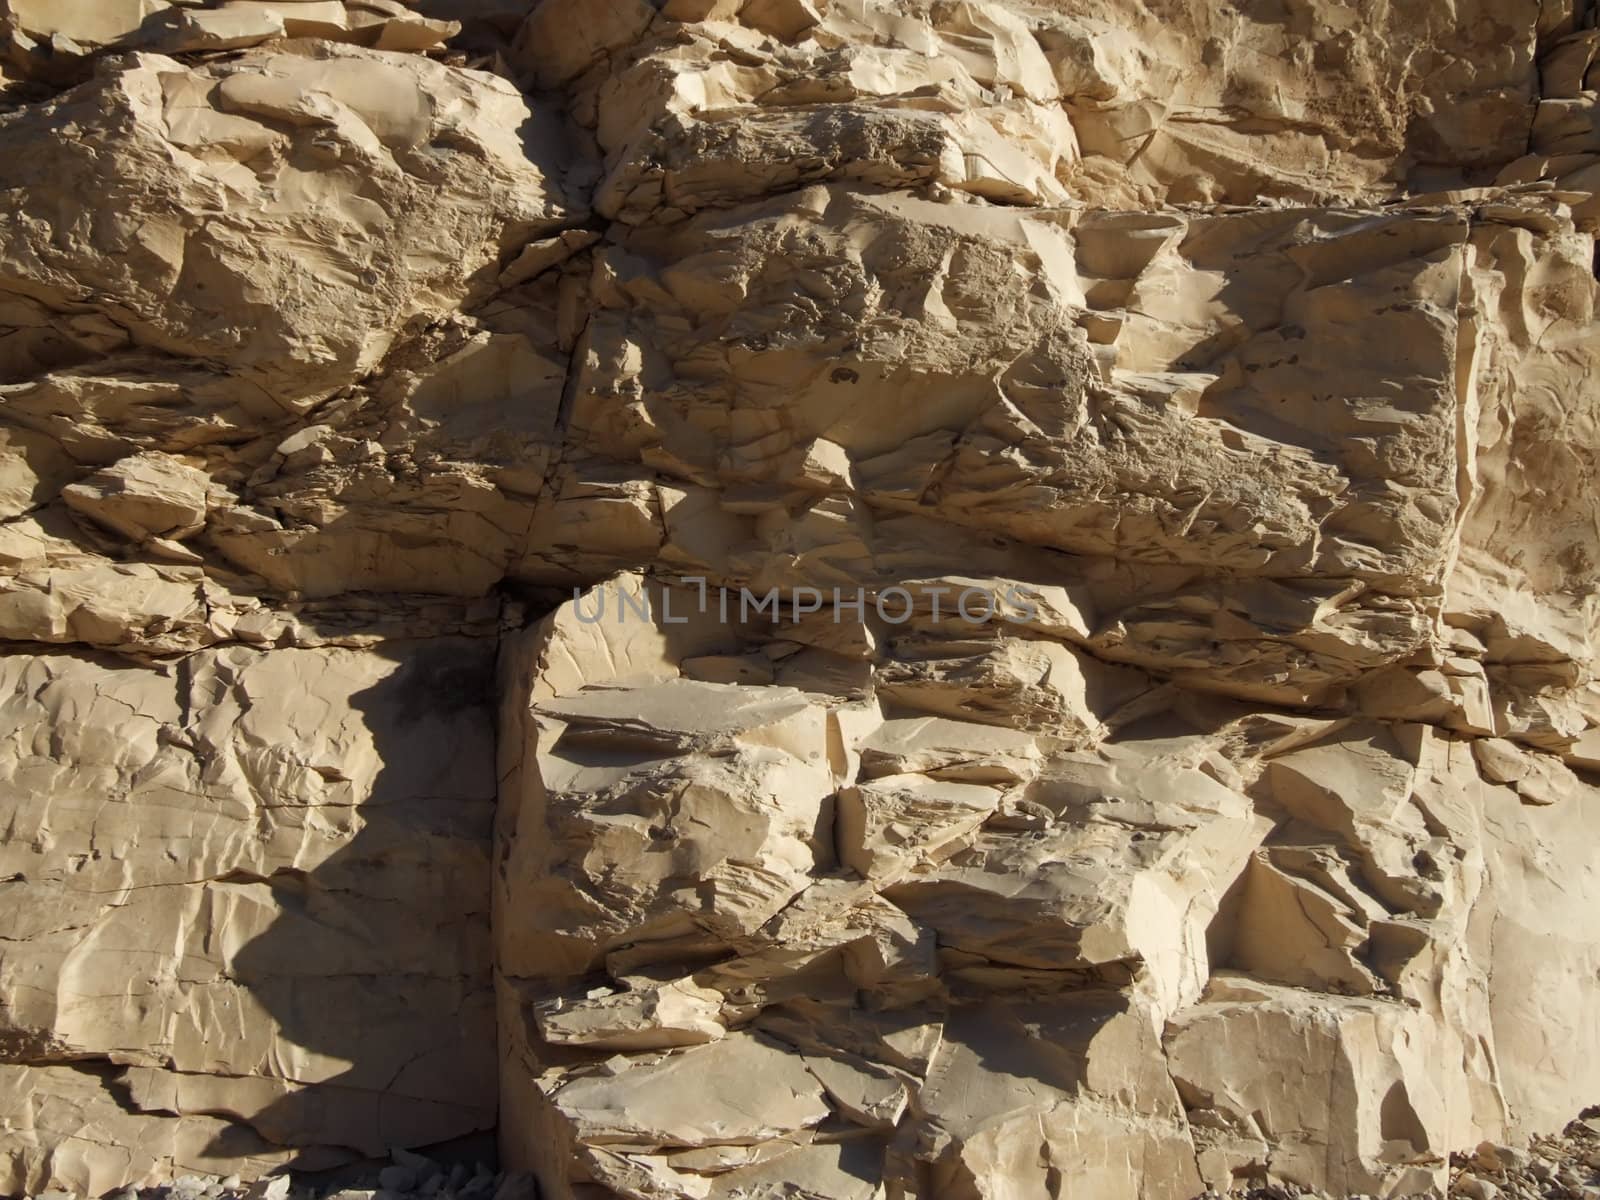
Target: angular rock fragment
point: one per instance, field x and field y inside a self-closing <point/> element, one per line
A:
<point x="146" y="495"/>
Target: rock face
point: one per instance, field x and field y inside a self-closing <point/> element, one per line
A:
<point x="849" y="599"/>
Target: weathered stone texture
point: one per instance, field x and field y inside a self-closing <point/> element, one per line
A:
<point x="849" y="599"/>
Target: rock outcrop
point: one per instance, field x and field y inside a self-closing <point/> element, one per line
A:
<point x="842" y="599"/>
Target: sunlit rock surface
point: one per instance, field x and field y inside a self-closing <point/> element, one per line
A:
<point x="846" y="599"/>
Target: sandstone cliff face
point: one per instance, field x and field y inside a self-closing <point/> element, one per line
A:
<point x="873" y="598"/>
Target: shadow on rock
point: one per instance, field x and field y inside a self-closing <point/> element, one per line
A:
<point x="371" y="969"/>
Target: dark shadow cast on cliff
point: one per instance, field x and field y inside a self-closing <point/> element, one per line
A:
<point x="374" y="966"/>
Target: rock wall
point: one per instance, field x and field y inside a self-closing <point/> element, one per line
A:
<point x="823" y="598"/>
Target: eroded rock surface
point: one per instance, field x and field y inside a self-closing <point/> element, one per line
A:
<point x="843" y="599"/>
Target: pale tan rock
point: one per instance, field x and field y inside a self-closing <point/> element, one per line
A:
<point x="143" y="496"/>
<point x="561" y="39"/>
<point x="1537" y="778"/>
<point x="648" y="1018"/>
<point x="87" y="26"/>
<point x="784" y="19"/>
<point x="1537" y="956"/>
<point x="243" y="848"/>
<point x="726" y="785"/>
<point x="1295" y="932"/>
<point x="65" y="1128"/>
<point x="766" y="1094"/>
<point x="1041" y="557"/>
<point x="185" y="292"/>
<point x="1379" y="1108"/>
<point x="945" y="749"/>
<point x="889" y="826"/>
<point x="225" y="29"/>
<point x="1106" y="1110"/>
<point x="1006" y="921"/>
<point x="86" y="23"/>
<point x="1141" y="119"/>
<point x="329" y="19"/>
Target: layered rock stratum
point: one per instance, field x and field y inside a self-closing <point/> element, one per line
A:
<point x="836" y="599"/>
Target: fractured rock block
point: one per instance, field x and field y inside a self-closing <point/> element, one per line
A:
<point x="645" y="1018"/>
<point x="143" y="496"/>
<point x="1350" y="1093"/>
<point x="184" y="292"/>
<point x="67" y="1128"/>
<point x="258" y="848"/>
<point x="889" y="825"/>
<point x="668" y="807"/>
